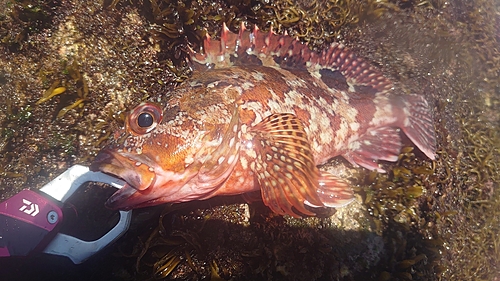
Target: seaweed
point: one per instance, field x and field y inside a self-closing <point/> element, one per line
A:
<point x="423" y="220"/>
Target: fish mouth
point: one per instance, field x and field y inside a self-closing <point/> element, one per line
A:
<point x="139" y="177"/>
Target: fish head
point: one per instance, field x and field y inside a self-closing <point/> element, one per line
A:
<point x="156" y="153"/>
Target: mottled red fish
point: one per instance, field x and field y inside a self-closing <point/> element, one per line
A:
<point x="261" y="112"/>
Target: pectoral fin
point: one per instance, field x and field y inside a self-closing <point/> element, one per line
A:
<point x="285" y="166"/>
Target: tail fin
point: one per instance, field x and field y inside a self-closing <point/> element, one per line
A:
<point x="419" y="126"/>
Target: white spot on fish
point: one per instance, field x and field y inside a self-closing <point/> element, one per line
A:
<point x="251" y="153"/>
<point x="353" y="146"/>
<point x="351" y="114"/>
<point x="213" y="84"/>
<point x="316" y="73"/>
<point x="244" y="128"/>
<point x="354" y="126"/>
<point x="406" y="111"/>
<point x="249" y="144"/>
<point x="244" y="163"/>
<point x="221" y="159"/>
<point x="341" y="134"/>
<point x="247" y="85"/>
<point x="258" y="76"/>
<point x="230" y="159"/>
<point x="384" y="114"/>
<point x="241" y="179"/>
<point x="189" y="159"/>
<point x="296" y="83"/>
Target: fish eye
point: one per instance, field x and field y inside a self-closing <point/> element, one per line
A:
<point x="144" y="118"/>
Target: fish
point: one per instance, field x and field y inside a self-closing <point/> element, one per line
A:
<point x="262" y="111"/>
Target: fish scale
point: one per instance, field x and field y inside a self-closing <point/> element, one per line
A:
<point x="261" y="112"/>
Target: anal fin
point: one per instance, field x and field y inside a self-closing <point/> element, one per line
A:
<point x="333" y="191"/>
<point x="383" y="143"/>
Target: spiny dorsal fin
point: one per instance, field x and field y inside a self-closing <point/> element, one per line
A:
<point x="283" y="51"/>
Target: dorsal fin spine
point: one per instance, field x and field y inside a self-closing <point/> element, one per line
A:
<point x="269" y="45"/>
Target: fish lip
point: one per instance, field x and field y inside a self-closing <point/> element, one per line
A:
<point x="142" y="181"/>
<point x="104" y="156"/>
<point x="118" y="164"/>
<point x="138" y="180"/>
<point x="147" y="183"/>
<point x="128" y="198"/>
<point x="119" y="199"/>
<point x="106" y="162"/>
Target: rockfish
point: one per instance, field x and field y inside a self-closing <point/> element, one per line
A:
<point x="261" y="112"/>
